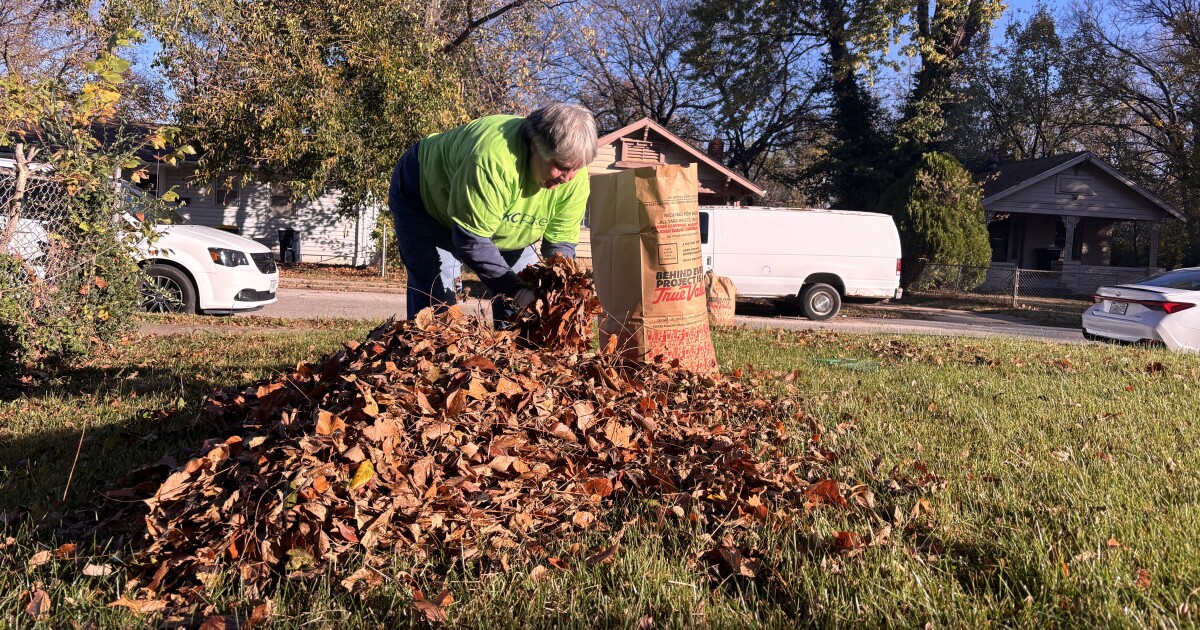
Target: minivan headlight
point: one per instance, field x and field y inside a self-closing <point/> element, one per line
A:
<point x="227" y="257"/>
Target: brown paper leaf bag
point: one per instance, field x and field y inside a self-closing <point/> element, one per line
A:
<point x="648" y="266"/>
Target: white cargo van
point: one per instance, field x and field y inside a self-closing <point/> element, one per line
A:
<point x="820" y="256"/>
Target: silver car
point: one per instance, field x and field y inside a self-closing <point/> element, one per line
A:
<point x="1159" y="310"/>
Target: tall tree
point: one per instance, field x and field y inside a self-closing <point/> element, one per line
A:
<point x="943" y="31"/>
<point x="47" y="40"/>
<point x="792" y="72"/>
<point x="624" y="60"/>
<point x="1025" y="98"/>
<point x="1145" y="59"/>
<point x="857" y="155"/>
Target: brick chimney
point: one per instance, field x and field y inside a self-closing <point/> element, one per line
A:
<point x="716" y="150"/>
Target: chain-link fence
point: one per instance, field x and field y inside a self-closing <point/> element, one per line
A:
<point x="68" y="279"/>
<point x="35" y="210"/>
<point x="1014" y="285"/>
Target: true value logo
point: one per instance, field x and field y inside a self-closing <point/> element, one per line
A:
<point x="682" y="285"/>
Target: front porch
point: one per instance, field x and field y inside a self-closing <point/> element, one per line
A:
<point x="1073" y="253"/>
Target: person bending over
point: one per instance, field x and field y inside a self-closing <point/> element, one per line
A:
<point x="483" y="193"/>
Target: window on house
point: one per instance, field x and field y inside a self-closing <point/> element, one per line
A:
<point x="149" y="184"/>
<point x="227" y="195"/>
<point x="999" y="232"/>
<point x="281" y="196"/>
<point x="1074" y="185"/>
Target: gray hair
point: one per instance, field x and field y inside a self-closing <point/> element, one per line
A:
<point x="563" y="133"/>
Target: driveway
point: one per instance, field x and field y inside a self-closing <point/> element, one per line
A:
<point x="310" y="303"/>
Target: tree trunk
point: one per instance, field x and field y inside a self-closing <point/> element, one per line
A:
<point x="17" y="203"/>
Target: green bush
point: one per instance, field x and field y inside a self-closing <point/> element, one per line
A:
<point x="81" y="293"/>
<point x="939" y="212"/>
<point x="13" y="325"/>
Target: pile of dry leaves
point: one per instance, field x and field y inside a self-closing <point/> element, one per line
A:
<point x="442" y="439"/>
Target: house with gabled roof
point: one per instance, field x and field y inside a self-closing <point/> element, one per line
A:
<point x="1059" y="213"/>
<point x="646" y="143"/>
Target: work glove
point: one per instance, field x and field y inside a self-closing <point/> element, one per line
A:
<point x="524" y="297"/>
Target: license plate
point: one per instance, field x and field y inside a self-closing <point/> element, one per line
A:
<point x="274" y="285"/>
<point x="1118" y="308"/>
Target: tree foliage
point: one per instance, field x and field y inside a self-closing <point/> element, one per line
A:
<point x="938" y="209"/>
<point x="942" y="34"/>
<point x="801" y="72"/>
<point x="763" y="66"/>
<point x="1026" y="97"/>
<point x="624" y="60"/>
<point x="327" y="94"/>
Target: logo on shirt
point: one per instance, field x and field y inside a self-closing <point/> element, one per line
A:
<point x="520" y="218"/>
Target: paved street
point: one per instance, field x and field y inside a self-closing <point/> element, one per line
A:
<point x="309" y="303"/>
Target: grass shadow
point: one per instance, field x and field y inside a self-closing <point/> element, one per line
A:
<point x="84" y="457"/>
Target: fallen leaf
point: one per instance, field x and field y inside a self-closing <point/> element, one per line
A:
<point x="434" y="609"/>
<point x="365" y="575"/>
<point x="140" y="606"/>
<point x="1143" y="579"/>
<point x="261" y="614"/>
<point x="739" y="563"/>
<point x="327" y="423"/>
<point x="299" y="559"/>
<point x="845" y="541"/>
<point x="598" y="487"/>
<point x="606" y="554"/>
<point x="39" y="604"/>
<point x="97" y="570"/>
<point x="219" y="622"/>
<point x="362" y="475"/>
<point x="40" y="558"/>
<point x="827" y="492"/>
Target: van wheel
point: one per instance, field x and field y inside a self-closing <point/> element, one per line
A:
<point x="820" y="302"/>
<point x="166" y="289"/>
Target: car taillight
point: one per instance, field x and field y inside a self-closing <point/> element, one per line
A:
<point x="898" y="264"/>
<point x="1169" y="308"/>
<point x="1172" y="307"/>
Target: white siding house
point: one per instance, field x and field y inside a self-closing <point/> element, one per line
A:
<point x="259" y="211"/>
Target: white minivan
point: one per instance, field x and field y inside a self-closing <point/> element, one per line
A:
<point x="820" y="256"/>
<point x="188" y="268"/>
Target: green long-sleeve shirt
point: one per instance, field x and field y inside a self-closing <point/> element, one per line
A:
<point x="476" y="176"/>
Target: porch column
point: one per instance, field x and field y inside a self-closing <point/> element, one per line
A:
<point x="1070" y="223"/>
<point x="1155" y="229"/>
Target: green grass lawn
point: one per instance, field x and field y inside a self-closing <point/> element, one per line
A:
<point x="1072" y="490"/>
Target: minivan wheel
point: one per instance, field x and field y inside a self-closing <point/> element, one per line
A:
<point x="820" y="302"/>
<point x="166" y="289"/>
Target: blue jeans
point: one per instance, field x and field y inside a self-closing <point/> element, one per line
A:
<point x="426" y="247"/>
